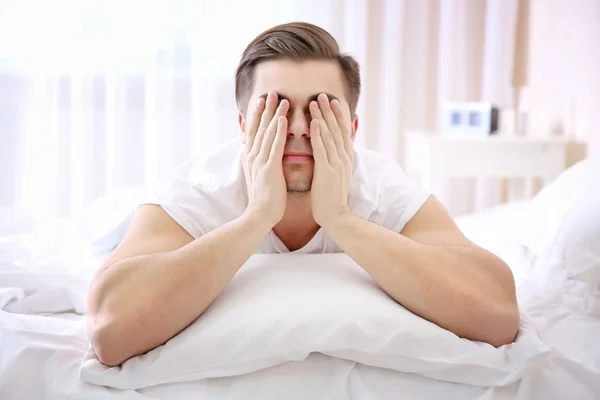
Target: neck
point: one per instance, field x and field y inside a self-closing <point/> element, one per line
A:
<point x="297" y="227"/>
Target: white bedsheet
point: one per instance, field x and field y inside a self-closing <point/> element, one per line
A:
<point x="43" y="340"/>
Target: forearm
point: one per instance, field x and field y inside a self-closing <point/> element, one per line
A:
<point x="139" y="303"/>
<point x="466" y="290"/>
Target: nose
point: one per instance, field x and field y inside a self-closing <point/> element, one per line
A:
<point x="298" y="123"/>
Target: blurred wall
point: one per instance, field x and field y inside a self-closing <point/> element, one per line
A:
<point x="563" y="69"/>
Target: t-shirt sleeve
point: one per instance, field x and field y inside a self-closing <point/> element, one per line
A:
<point x="183" y="202"/>
<point x="177" y="198"/>
<point x="400" y="199"/>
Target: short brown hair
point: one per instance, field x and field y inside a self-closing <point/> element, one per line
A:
<point x="295" y="40"/>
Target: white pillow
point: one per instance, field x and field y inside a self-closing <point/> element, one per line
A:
<point x="282" y="307"/>
<point x="575" y="249"/>
<point x="548" y="208"/>
<point x="13" y="221"/>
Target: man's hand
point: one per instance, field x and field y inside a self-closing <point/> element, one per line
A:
<point x="266" y="134"/>
<point x="334" y="160"/>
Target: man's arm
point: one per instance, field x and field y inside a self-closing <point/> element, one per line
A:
<point x="430" y="267"/>
<point x="159" y="280"/>
<point x="433" y="270"/>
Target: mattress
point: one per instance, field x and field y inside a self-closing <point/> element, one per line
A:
<point x="45" y="271"/>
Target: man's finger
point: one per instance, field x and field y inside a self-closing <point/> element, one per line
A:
<point x="332" y="125"/>
<point x="280" y="139"/>
<point x="265" y="120"/>
<point x="270" y="109"/>
<point x="327" y="113"/>
<point x="252" y="124"/>
<point x="271" y="132"/>
<point x="319" y="153"/>
<point x="315" y="111"/>
<point x="326" y="138"/>
<point x="330" y="146"/>
<point x="336" y="107"/>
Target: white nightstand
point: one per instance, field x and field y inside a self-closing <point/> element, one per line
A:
<point x="439" y="158"/>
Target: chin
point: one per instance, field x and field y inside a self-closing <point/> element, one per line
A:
<point x="298" y="193"/>
<point x="298" y="184"/>
<point x="298" y="189"/>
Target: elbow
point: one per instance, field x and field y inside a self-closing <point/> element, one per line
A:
<point x="488" y="320"/>
<point x="499" y="318"/>
<point x="108" y="331"/>
<point x="500" y="327"/>
<point x="508" y="323"/>
<point x="109" y="344"/>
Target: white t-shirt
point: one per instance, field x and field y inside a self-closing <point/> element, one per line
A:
<point x="206" y="192"/>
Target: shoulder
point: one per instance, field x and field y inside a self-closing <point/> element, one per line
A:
<point x="205" y="191"/>
<point x="381" y="174"/>
<point x="394" y="198"/>
<point x="215" y="165"/>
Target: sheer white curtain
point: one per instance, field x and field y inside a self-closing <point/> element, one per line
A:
<point x="101" y="95"/>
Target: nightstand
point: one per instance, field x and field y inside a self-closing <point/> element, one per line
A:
<point x="437" y="158"/>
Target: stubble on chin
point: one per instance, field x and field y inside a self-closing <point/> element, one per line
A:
<point x="298" y="188"/>
<point x="298" y="183"/>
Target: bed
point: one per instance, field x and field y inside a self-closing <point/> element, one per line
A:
<point x="45" y="268"/>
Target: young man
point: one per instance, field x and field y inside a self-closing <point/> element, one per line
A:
<point x="293" y="183"/>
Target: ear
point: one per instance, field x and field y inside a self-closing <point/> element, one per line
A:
<point x="354" y="127"/>
<point x="242" y="123"/>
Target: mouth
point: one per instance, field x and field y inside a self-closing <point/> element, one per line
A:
<point x="297" y="158"/>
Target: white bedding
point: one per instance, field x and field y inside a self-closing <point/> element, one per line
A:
<point x="43" y="334"/>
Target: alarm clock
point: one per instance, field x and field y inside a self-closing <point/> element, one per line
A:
<point x="469" y="118"/>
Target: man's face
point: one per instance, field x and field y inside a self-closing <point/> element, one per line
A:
<point x="299" y="83"/>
